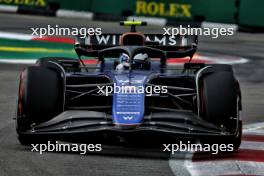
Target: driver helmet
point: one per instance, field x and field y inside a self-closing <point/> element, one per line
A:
<point x="141" y="57"/>
<point x="124" y="58"/>
<point x="123" y="62"/>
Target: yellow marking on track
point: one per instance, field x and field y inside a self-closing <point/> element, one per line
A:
<point x="31" y="49"/>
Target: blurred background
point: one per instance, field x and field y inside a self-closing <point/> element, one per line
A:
<point x="244" y="13"/>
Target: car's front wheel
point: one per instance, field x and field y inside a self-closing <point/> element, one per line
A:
<point x="219" y="103"/>
<point x="40" y="98"/>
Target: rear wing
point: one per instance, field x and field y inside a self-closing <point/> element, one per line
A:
<point x="174" y="46"/>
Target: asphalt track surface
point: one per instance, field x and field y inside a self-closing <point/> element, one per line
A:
<point x="16" y="159"/>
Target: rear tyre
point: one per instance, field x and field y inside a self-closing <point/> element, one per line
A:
<point x="40" y="99"/>
<point x="42" y="61"/>
<point x="69" y="64"/>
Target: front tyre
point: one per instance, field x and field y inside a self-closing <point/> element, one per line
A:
<point x="220" y="99"/>
<point x="40" y="98"/>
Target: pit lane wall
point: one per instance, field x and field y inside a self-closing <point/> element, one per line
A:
<point x="242" y="12"/>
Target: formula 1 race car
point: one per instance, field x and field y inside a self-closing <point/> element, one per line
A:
<point x="130" y="93"/>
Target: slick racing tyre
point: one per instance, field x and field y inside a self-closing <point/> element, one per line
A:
<point x="219" y="94"/>
<point x="40" y="98"/>
<point x="219" y="101"/>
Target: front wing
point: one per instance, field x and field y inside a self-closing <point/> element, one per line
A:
<point x="179" y="123"/>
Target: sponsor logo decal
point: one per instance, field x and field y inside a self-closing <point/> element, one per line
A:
<point x="127" y="117"/>
<point x="154" y="8"/>
<point x="39" y="3"/>
<point x="113" y="39"/>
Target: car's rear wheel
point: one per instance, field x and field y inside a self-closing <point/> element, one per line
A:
<point x="40" y="98"/>
<point x="42" y="61"/>
<point x="68" y="64"/>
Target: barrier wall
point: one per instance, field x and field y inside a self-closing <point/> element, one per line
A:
<point x="243" y="12"/>
<point x="191" y="10"/>
<point x="113" y="7"/>
<point x="78" y="5"/>
<point x="35" y="3"/>
<point x="223" y="11"/>
<point x="178" y="9"/>
<point x="251" y="13"/>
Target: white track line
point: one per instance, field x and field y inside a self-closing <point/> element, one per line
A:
<point x="223" y="59"/>
<point x="74" y="14"/>
<point x="177" y="163"/>
<point x="226" y="167"/>
<point x="222" y="166"/>
<point x="18" y="61"/>
<point x="8" y="8"/>
<point x="254" y="127"/>
<point x="218" y="25"/>
<point x="15" y="36"/>
<point x="252" y="145"/>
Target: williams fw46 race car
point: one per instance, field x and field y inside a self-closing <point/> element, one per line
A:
<point x="130" y="93"/>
